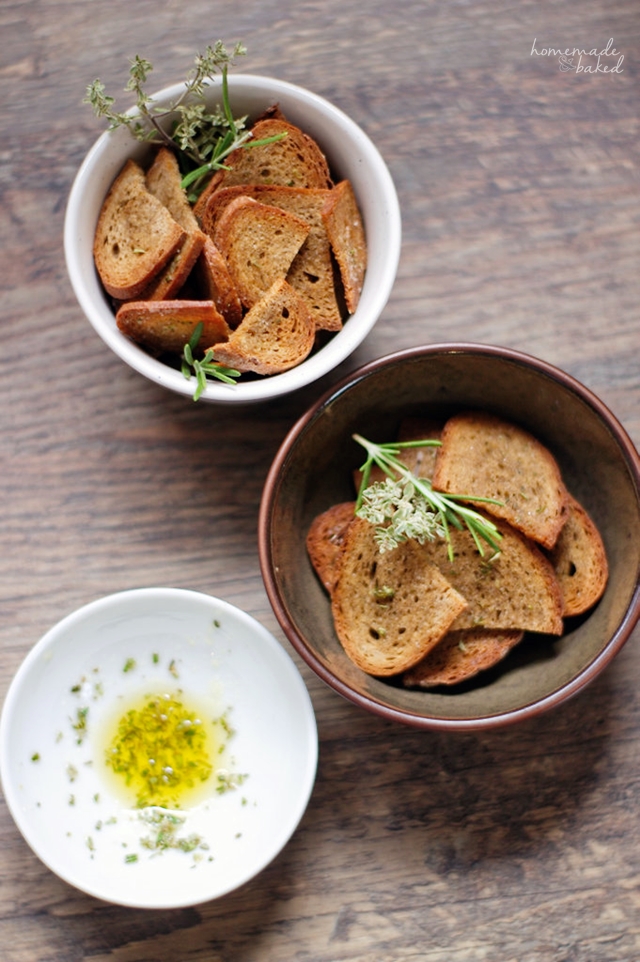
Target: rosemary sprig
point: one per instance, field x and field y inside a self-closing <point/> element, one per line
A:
<point x="204" y="367"/>
<point x="202" y="138"/>
<point x="406" y="506"/>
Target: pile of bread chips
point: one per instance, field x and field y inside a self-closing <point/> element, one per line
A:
<point x="415" y="613"/>
<point x="270" y="255"/>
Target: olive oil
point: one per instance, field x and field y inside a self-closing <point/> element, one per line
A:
<point x="163" y="750"/>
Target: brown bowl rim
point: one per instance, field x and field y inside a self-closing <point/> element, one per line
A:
<point x="555" y="698"/>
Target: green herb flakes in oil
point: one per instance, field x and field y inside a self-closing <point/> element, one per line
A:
<point x="161" y="751"/>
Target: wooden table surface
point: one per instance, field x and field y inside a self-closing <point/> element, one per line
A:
<point x="519" y="184"/>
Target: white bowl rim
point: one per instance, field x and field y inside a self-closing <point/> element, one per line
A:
<point x="342" y="344"/>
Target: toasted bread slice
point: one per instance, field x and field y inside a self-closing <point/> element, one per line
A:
<point x="164" y="327"/>
<point x="293" y="161"/>
<point x="389" y="609"/>
<point x="258" y="242"/>
<point x="135" y="235"/>
<point x="217" y="284"/>
<point x="343" y="223"/>
<point x="580" y="561"/>
<point x="461" y="655"/>
<point x="489" y="457"/>
<point x="164" y="180"/>
<point x="174" y="276"/>
<point x="311" y="272"/>
<point x="517" y="588"/>
<point x="277" y="333"/>
<point x="325" y="539"/>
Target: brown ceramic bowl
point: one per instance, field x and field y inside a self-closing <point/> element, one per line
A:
<point x="313" y="470"/>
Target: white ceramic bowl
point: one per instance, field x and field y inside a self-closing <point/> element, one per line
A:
<point x="351" y="155"/>
<point x="53" y="772"/>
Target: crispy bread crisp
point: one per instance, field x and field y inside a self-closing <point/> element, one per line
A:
<point x="345" y="231"/>
<point x="461" y="655"/>
<point x="164" y="327"/>
<point x="390" y="608"/>
<point x="580" y="561"/>
<point x="135" y="235"/>
<point x="312" y="271"/>
<point x="488" y="457"/>
<point x="277" y="333"/>
<point x="217" y="284"/>
<point x="325" y="539"/>
<point x="293" y="161"/>
<point x="515" y="589"/>
<point x="258" y="242"/>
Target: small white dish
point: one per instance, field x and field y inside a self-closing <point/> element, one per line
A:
<point x="52" y="746"/>
<point x="351" y="155"/>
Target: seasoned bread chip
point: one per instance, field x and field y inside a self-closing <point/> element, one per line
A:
<point x="488" y="457"/>
<point x="516" y="588"/>
<point x="345" y="231"/>
<point x="217" y="284"/>
<point x="174" y="276"/>
<point x="275" y="335"/>
<point x="311" y="272"/>
<point x="325" y="539"/>
<point x="164" y="180"/>
<point x="293" y="161"/>
<point x="580" y="562"/>
<point x="389" y="609"/>
<point x="461" y="655"/>
<point x="164" y="327"/>
<point x="258" y="242"/>
<point x="135" y="235"/>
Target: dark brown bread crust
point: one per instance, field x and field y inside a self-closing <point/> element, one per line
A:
<point x="462" y="655"/>
<point x="325" y="539"/>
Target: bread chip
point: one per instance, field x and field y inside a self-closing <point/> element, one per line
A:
<point x="311" y="272"/>
<point x="460" y="656"/>
<point x="325" y="539"/>
<point x="164" y="327"/>
<point x="217" y="284"/>
<point x="389" y="609"/>
<point x="515" y="589"/>
<point x="258" y="242"/>
<point x="275" y="335"/>
<point x="135" y="235"/>
<point x="488" y="457"/>
<point x="294" y="161"/>
<point x="345" y="231"/>
<point x="580" y="561"/>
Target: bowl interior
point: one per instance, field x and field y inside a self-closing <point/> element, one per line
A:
<point x="350" y="154"/>
<point x="313" y="471"/>
<point x="53" y="770"/>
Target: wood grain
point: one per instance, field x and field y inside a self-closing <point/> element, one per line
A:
<point x="519" y="186"/>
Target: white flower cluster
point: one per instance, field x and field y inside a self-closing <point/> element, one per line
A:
<point x="399" y="513"/>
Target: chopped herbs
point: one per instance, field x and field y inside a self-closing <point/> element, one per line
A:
<point x="129" y="664"/>
<point x="161" y="750"/>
